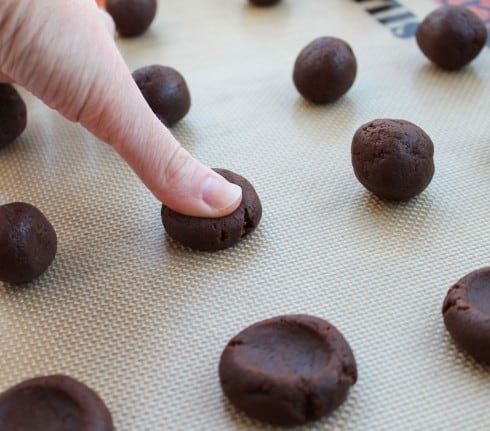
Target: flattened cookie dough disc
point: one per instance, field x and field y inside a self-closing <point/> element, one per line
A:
<point x="288" y="370"/>
<point x="466" y="312"/>
<point x="392" y="158"/>
<point x="210" y="234"/>
<point x="28" y="242"/>
<point x="53" y="403"/>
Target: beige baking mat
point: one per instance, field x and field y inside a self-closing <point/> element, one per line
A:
<point x="143" y="320"/>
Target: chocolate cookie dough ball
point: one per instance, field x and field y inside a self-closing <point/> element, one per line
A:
<point x="13" y="114"/>
<point x="27" y="243"/>
<point x="132" y="17"/>
<point x="211" y="234"/>
<point x="466" y="312"/>
<point x="166" y="92"/>
<point x="264" y="2"/>
<point x="393" y="158"/>
<point x="53" y="403"/>
<point x="288" y="370"/>
<point x="451" y="36"/>
<point x="324" y="70"/>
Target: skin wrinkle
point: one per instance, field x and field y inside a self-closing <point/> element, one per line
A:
<point x="90" y="97"/>
<point x="178" y="160"/>
<point x="75" y="103"/>
<point x="158" y="154"/>
<point x="79" y="95"/>
<point x="9" y="37"/>
<point x="8" y="18"/>
<point x="87" y="96"/>
<point x="31" y="67"/>
<point x="85" y="108"/>
<point x="97" y="116"/>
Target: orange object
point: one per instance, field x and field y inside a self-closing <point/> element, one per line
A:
<point x="101" y="3"/>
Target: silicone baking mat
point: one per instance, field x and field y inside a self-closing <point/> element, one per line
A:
<point x="143" y="321"/>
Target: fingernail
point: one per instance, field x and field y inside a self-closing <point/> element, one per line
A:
<point x="219" y="193"/>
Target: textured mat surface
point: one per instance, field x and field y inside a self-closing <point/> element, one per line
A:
<point x="143" y="320"/>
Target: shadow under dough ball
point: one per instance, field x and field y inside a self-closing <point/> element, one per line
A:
<point x="466" y="313"/>
<point x="165" y="90"/>
<point x="53" y="403"/>
<point x="264" y="2"/>
<point x="288" y="370"/>
<point x="325" y="70"/>
<point x="451" y="36"/>
<point x="13" y="114"/>
<point x="392" y="158"/>
<point x="211" y="234"/>
<point x="27" y="242"/>
<point x="132" y="17"/>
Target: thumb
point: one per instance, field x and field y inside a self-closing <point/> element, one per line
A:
<point x="171" y="173"/>
<point x="62" y="52"/>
